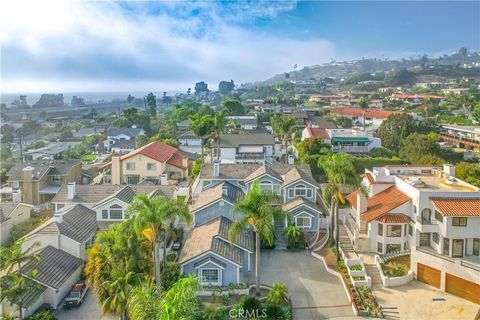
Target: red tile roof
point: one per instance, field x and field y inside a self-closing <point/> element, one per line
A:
<point x="176" y="160"/>
<point x="155" y="150"/>
<point x="394" y="218"/>
<point x="414" y="96"/>
<point x="318" y="133"/>
<point x="370" y="113"/>
<point x="457" y="207"/>
<point x="381" y="203"/>
<point x="369" y="177"/>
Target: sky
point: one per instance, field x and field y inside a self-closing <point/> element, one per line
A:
<point x="68" y="46"/>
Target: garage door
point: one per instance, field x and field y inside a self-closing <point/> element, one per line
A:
<point x="428" y="275"/>
<point x="462" y="288"/>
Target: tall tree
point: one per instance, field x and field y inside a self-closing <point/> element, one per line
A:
<point x="420" y="149"/>
<point x="151" y="103"/>
<point x="393" y="130"/>
<point x="153" y="219"/>
<point x="201" y="87"/>
<point x="340" y="172"/>
<point x="363" y="103"/>
<point x="226" y="87"/>
<point x="119" y="287"/>
<point x="233" y="107"/>
<point x="256" y="211"/>
<point x="201" y="127"/>
<point x="285" y="128"/>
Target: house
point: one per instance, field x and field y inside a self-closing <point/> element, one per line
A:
<point x="373" y="117"/>
<point x="344" y="140"/>
<point x="301" y="117"/>
<point x="53" y="151"/>
<point x="120" y="134"/>
<point x="108" y="201"/>
<point x="320" y="122"/>
<point x="11" y="214"/>
<point x="456" y="91"/>
<point x="413" y="98"/>
<point x="208" y="254"/>
<point x="464" y="136"/>
<point x="184" y="126"/>
<point x="244" y="122"/>
<point x="38" y="182"/>
<point x="71" y="230"/>
<point x="84" y="132"/>
<point x="427" y="211"/>
<point x="122" y="146"/>
<point x="189" y="139"/>
<point x="247" y="148"/>
<point x="56" y="272"/>
<point x="156" y="162"/>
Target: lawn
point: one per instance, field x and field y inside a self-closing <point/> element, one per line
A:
<point x="89" y="157"/>
<point x="390" y="265"/>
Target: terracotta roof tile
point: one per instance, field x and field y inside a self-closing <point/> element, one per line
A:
<point x="381" y="203"/>
<point x="394" y="218"/>
<point x="176" y="160"/>
<point x="318" y="133"/>
<point x="371" y="113"/>
<point x="457" y="207"/>
<point x="156" y="150"/>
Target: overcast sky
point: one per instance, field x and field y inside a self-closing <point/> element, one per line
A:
<point x="67" y="46"/>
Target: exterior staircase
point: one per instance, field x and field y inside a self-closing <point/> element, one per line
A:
<point x="280" y="241"/>
<point x="373" y="272"/>
<point x="345" y="242"/>
<point x="390" y="312"/>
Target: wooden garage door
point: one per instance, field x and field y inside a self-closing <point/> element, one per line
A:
<point x="428" y="275"/>
<point x="462" y="288"/>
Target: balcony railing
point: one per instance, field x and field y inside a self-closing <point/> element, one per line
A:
<point x="424" y="221"/>
<point x="355" y="149"/>
<point x="463" y="262"/>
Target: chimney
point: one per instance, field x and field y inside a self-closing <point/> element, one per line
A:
<point x="116" y="169"/>
<point x="58" y="217"/>
<point x="163" y="179"/>
<point x="216" y="168"/>
<point x="449" y="169"/>
<point x="17" y="195"/>
<point x="28" y="185"/>
<point x="185" y="162"/>
<point x="71" y="190"/>
<point x="361" y="206"/>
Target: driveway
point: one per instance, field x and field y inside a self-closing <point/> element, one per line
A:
<point x="316" y="294"/>
<point x="89" y="309"/>
<point x="416" y="301"/>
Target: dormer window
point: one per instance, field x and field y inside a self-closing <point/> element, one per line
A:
<point x="300" y="190"/>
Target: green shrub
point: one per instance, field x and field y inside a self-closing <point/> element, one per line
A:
<point x="251" y="303"/>
<point x="356" y="267"/>
<point x="278" y="294"/>
<point x="364" y="290"/>
<point x="212" y="313"/>
<point x="171" y="275"/>
<point x="397" y="271"/>
<point x="341" y="265"/>
<point x="42" y="315"/>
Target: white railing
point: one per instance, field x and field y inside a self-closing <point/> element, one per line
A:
<point x="357" y="149"/>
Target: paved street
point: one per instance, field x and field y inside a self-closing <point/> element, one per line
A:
<point x="89" y="310"/>
<point x="316" y="294"/>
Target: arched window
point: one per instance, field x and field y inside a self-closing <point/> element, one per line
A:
<point x="426" y="214"/>
<point x="300" y="190"/>
<point x="266" y="186"/>
<point x="116" y="212"/>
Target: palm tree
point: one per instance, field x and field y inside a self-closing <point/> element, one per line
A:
<point x="201" y="127"/>
<point x="119" y="287"/>
<point x="255" y="211"/>
<point x="340" y="171"/>
<point x="13" y="257"/>
<point x="285" y="128"/>
<point x="292" y="235"/>
<point x="179" y="302"/>
<point x="363" y="104"/>
<point x="219" y="121"/>
<point x="153" y="219"/>
<point x="428" y="106"/>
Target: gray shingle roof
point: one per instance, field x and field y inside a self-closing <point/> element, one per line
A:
<point x="54" y="268"/>
<point x="124" y="144"/>
<point x="243" y="239"/>
<point x="6" y="208"/>
<point x="57" y="167"/>
<point x="224" y="190"/>
<point x="30" y="296"/>
<point x="226" y="250"/>
<point x="264" y="169"/>
<point x="79" y="223"/>
<point x="235" y="140"/>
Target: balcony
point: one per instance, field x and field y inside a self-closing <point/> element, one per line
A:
<point x="471" y="262"/>
<point x="426" y="225"/>
<point x="350" y="149"/>
<point x="250" y="158"/>
<point x="460" y="139"/>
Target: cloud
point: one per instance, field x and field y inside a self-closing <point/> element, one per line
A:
<point x="96" y="46"/>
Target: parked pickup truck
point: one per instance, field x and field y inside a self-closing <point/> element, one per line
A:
<point x="76" y="295"/>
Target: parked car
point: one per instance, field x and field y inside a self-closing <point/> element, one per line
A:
<point x="76" y="295"/>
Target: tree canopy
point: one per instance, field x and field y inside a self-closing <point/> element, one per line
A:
<point x="226" y="87"/>
<point x="394" y="129"/>
<point x="420" y="149"/>
<point x="233" y="107"/>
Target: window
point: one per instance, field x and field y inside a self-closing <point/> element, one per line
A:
<point x="436" y="237"/>
<point x="303" y="222"/>
<point x="410" y="230"/>
<point x="438" y="216"/>
<point x="380" y="229"/>
<point x="130" y="166"/>
<point x="405" y="231"/>
<point x="394" y="231"/>
<point x="151" y="166"/>
<point x="300" y="190"/>
<point x="290" y="193"/>
<point x="206" y="182"/>
<point x="426" y="214"/>
<point x="276" y="188"/>
<point x="459" y="222"/>
<point x="426" y="171"/>
<point x="104" y="214"/>
<point x="57" y="178"/>
<point x="457" y="248"/>
<point x="133" y="179"/>
<point x="476" y="246"/>
<point x="116" y="212"/>
<point x="210" y="276"/>
<point x="309" y="193"/>
<point x="266" y="186"/>
<point x="405" y="246"/>
<point x="446" y="246"/>
<point x="379" y="247"/>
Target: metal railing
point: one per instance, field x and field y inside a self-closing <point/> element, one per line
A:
<point x="465" y="263"/>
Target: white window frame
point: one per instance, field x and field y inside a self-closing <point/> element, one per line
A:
<point x="291" y="193"/>
<point x="117" y="208"/>
<point x="151" y="166"/>
<point x="130" y="166"/>
<point x="299" y="188"/>
<point x="219" y="274"/>
<point x="304" y="226"/>
<point x="57" y="178"/>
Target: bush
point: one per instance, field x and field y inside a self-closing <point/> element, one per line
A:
<point x="212" y="313"/>
<point x="381" y="153"/>
<point x="341" y="265"/>
<point x="42" y="315"/>
<point x="277" y="313"/>
<point x="356" y="267"/>
<point x="251" y="303"/>
<point x="397" y="271"/>
<point x="171" y="275"/>
<point x="25" y="227"/>
<point x="278" y="294"/>
<point x="293" y="236"/>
